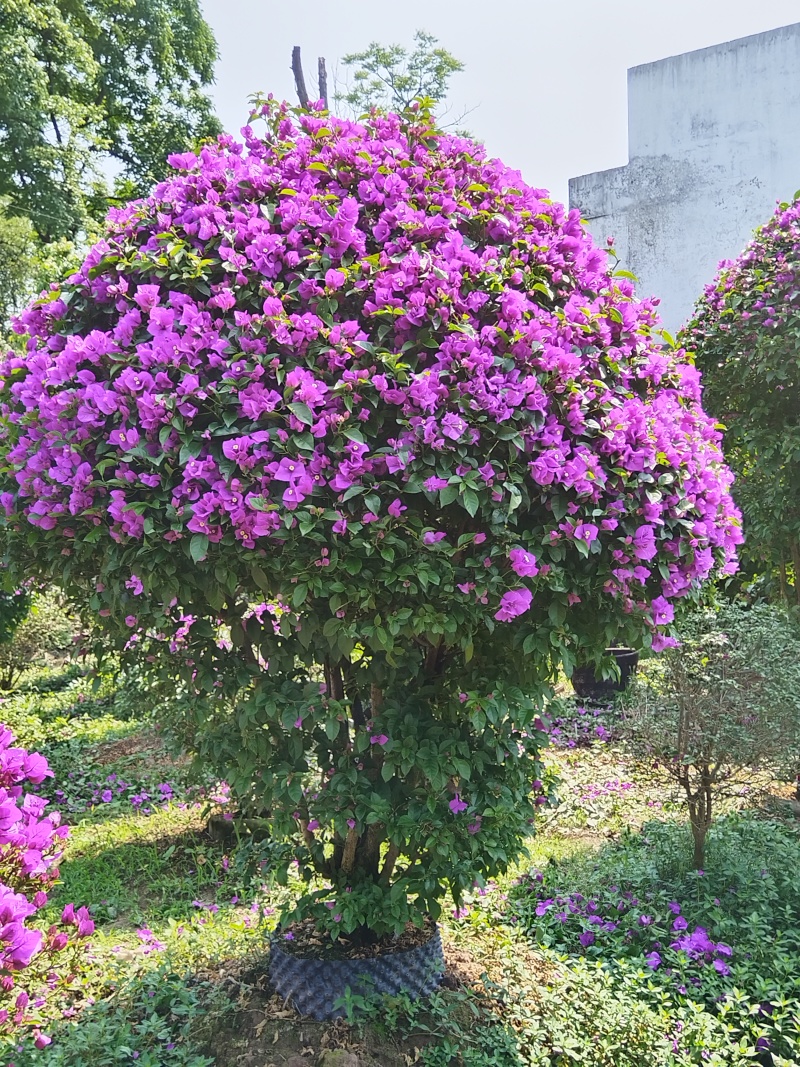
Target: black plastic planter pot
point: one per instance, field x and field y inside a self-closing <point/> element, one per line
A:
<point x="589" y="686"/>
<point x="314" y="986"/>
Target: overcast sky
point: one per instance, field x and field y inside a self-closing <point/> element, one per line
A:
<point x="547" y="81"/>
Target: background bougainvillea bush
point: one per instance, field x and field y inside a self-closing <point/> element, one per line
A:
<point x="745" y="333"/>
<point x="34" y="964"/>
<point x="351" y="435"/>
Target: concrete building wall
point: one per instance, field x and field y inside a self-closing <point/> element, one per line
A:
<point x="713" y="143"/>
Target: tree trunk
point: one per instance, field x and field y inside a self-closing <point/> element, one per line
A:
<point x="322" y="76"/>
<point x="299" y="77"/>
<point x="700" y="817"/>
<point x="796" y="567"/>
<point x="699" y="831"/>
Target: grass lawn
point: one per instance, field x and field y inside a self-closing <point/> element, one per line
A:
<point x="604" y="948"/>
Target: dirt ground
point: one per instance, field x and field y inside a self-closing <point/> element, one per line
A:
<point x="265" y="1032"/>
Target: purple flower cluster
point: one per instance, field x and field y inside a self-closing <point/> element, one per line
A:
<point x="617" y="921"/>
<point x="578" y="725"/>
<point x="29" y="851"/>
<point x="612" y="787"/>
<point x="86" y="794"/>
<point x="338" y="316"/>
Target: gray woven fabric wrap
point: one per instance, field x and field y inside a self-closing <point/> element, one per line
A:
<point x="314" y="986"/>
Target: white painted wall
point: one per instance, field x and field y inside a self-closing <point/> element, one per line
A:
<point x="713" y="143"/>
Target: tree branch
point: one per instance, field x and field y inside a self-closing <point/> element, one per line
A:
<point x="322" y="77"/>
<point x="349" y="854"/>
<point x="388" y="864"/>
<point x="299" y="77"/>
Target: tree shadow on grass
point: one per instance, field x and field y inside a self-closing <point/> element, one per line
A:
<point x="144" y="872"/>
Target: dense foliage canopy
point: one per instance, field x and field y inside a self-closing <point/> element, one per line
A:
<point x="356" y="428"/>
<point x="746" y="336"/>
<point x="92" y="81"/>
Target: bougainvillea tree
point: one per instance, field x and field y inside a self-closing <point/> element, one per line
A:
<point x="351" y="430"/>
<point x="746" y="335"/>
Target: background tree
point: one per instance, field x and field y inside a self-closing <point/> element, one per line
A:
<point x="392" y="77"/>
<point x="724" y="708"/>
<point x="96" y="83"/>
<point x="94" y="94"/>
<point x="745" y="334"/>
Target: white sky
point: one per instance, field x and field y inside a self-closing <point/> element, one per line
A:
<point x="547" y="80"/>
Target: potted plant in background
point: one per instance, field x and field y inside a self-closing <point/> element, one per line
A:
<point x="602" y="682"/>
<point x="346" y="434"/>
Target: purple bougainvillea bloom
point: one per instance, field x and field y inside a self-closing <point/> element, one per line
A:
<point x="586" y="531"/>
<point x="335" y="279"/>
<point x="653" y="960"/>
<point x="513" y="603"/>
<point x="662" y="611"/>
<point x="587" y="938"/>
<point x="378" y="739"/>
<point x="135" y="585"/>
<point x="523" y="563"/>
<point x="457" y="805"/>
<point x="721" y="967"/>
<point x="396" y="508"/>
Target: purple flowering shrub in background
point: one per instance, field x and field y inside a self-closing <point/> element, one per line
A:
<point x="351" y="436"/>
<point x="30" y="848"/>
<point x="744" y="334"/>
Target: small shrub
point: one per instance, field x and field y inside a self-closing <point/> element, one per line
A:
<point x="154" y="1017"/>
<point x="727" y="707"/>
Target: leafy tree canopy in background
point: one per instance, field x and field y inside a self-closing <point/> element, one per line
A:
<point x="88" y="86"/>
<point x="746" y="336"/>
<point x="391" y="77"/>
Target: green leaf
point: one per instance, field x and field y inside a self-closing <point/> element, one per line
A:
<point x="299" y="595"/>
<point x="302" y="412"/>
<point x="469" y="499"/>
<point x="198" y="547"/>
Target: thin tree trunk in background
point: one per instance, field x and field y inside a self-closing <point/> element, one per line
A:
<point x="299" y="77"/>
<point x="796" y="566"/>
<point x="783" y="583"/>
<point x="322" y="76"/>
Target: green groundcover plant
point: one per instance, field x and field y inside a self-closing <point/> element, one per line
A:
<point x="350" y="435"/>
<point x="712" y="953"/>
